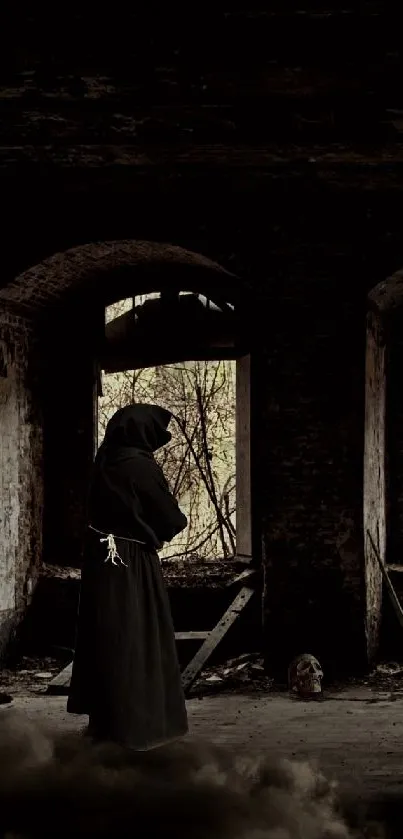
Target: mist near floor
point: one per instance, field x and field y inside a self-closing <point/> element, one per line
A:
<point x="69" y="787"/>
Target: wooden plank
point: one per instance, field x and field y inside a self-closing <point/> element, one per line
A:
<point x="215" y="636"/>
<point x="374" y="500"/>
<point x="292" y="160"/>
<point x="192" y="636"/>
<point x="61" y="683"/>
<point x="64" y="120"/>
<point x="115" y="363"/>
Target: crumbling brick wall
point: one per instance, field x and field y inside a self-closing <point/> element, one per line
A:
<point x="311" y="451"/>
<point x="20" y="473"/>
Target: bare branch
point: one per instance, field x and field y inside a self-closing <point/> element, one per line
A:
<point x="201" y="395"/>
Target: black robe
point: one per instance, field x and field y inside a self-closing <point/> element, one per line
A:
<point x="126" y="674"/>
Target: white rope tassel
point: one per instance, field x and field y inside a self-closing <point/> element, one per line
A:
<point x="112" y="551"/>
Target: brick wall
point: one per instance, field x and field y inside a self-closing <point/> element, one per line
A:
<point x="20" y="474"/>
<point x="309" y="380"/>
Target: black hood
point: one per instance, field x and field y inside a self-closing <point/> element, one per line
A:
<point x="139" y="426"/>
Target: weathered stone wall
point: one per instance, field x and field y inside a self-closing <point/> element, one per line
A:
<point x="311" y="456"/>
<point x="20" y="474"/>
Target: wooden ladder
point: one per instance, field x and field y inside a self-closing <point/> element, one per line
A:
<point x="210" y="639"/>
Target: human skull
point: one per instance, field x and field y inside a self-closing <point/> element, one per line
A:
<point x="305" y="676"/>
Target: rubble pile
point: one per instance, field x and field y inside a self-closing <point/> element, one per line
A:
<point x="243" y="673"/>
<point x="30" y="675"/>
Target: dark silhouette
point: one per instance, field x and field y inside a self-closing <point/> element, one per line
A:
<point x="126" y="674"/>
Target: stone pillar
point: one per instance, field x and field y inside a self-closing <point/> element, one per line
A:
<point x="20" y="474"/>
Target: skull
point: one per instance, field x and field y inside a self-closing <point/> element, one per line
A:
<point x="305" y="676"/>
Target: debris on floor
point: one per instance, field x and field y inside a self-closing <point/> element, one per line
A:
<point x="244" y="673"/>
<point x="195" y="572"/>
<point x="384" y="681"/>
<point x="30" y="675"/>
<point x="391" y="669"/>
<point x="388" y="677"/>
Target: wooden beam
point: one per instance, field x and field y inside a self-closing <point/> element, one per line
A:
<point x="270" y="157"/>
<point x="187" y="179"/>
<point x="61" y="683"/>
<point x="192" y="636"/>
<point x="197" y="663"/>
<point x="115" y="363"/>
<point x="278" y="104"/>
<point x="374" y="501"/>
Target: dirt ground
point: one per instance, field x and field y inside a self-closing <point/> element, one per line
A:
<point x="355" y="733"/>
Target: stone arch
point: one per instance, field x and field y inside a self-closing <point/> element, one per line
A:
<point x="88" y="270"/>
<point x="35" y="304"/>
<point x="72" y="282"/>
<point x="384" y="323"/>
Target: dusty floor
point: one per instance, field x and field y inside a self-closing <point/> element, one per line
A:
<point x="355" y="734"/>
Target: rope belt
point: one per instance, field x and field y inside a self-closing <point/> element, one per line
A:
<point x="109" y="538"/>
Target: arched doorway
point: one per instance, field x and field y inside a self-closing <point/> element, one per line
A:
<point x="62" y="302"/>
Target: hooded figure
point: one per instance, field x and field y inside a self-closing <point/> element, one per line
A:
<point x="126" y="674"/>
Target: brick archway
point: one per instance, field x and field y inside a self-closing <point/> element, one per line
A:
<point x="52" y="387"/>
<point x="383" y="357"/>
<point x="108" y="270"/>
